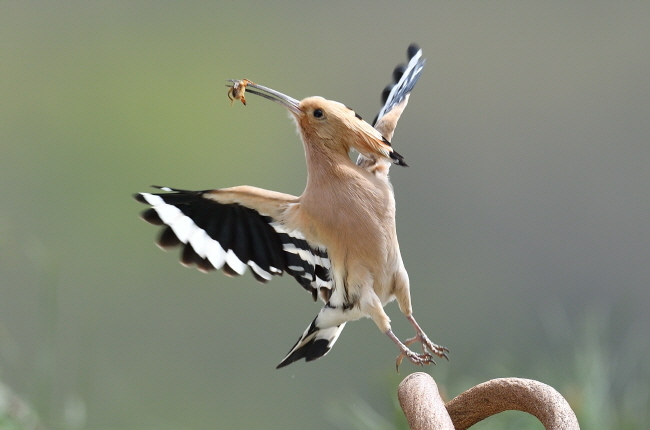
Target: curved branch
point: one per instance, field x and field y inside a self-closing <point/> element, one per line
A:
<point x="419" y="398"/>
<point x="517" y="394"/>
<point x="421" y="402"/>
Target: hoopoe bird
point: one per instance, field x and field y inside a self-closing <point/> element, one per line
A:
<point x="338" y="239"/>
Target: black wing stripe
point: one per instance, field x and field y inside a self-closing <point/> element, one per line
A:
<point x="219" y="228"/>
<point x="241" y="237"/>
<point x="205" y="266"/>
<point x="189" y="257"/>
<point x="303" y="259"/>
<point x="231" y="237"/>
<point x="256" y="255"/>
<point x="167" y="238"/>
<point x="151" y="216"/>
<point x="261" y="251"/>
<point x="188" y="217"/>
<point x="271" y="241"/>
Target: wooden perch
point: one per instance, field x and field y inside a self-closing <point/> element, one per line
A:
<point x="425" y="410"/>
<point x="421" y="402"/>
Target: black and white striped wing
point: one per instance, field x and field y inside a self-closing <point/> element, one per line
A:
<point x="405" y="76"/>
<point x="394" y="99"/>
<point x="232" y="237"/>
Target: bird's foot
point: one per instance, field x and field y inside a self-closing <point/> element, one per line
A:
<point x="428" y="347"/>
<point x="415" y="358"/>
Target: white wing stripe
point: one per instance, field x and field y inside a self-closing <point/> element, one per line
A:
<point x="279" y="228"/>
<point x="321" y="283"/>
<point x="167" y="213"/>
<point x="188" y="232"/>
<point x="183" y="227"/>
<point x="215" y="254"/>
<point x="199" y="241"/>
<point x="303" y="254"/>
<point x="325" y="262"/>
<point x="152" y="199"/>
<point x="235" y="263"/>
<point x="257" y="269"/>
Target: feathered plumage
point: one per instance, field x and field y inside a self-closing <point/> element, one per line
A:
<point x="338" y="239"/>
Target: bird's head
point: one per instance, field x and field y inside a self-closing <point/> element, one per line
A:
<point x="331" y="124"/>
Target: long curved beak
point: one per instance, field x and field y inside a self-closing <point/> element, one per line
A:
<point x="289" y="102"/>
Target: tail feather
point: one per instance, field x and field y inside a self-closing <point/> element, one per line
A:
<point x="313" y="344"/>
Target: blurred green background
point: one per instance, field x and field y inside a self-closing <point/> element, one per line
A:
<point x="523" y="219"/>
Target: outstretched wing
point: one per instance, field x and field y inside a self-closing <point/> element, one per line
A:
<point x="405" y="76"/>
<point x="395" y="98"/>
<point x="232" y="237"/>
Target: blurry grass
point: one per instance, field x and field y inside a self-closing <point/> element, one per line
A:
<point x="607" y="382"/>
<point x="605" y="377"/>
<point x="15" y="414"/>
<point x="608" y="385"/>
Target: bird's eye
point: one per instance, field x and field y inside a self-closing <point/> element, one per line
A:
<point x="318" y="113"/>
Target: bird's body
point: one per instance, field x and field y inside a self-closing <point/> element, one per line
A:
<point x="338" y="238"/>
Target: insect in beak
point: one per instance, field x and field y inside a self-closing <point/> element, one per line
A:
<point x="239" y="86"/>
<point x="237" y="90"/>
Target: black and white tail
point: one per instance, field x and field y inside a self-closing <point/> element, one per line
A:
<point x="314" y="343"/>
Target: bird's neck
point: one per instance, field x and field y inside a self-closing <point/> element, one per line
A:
<point x="325" y="166"/>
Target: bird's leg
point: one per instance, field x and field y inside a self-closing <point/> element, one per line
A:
<point x="419" y="359"/>
<point x="427" y="346"/>
<point x="373" y="306"/>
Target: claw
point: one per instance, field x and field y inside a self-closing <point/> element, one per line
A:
<point x="429" y="349"/>
<point x="417" y="359"/>
<point x="427" y="346"/>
